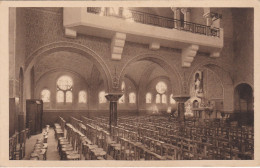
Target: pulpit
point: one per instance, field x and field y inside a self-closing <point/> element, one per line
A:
<point x="34" y="111"/>
<point x="180" y="104"/>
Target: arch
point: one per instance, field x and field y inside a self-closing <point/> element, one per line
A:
<point x="133" y="82"/>
<point x="244" y="82"/>
<point x="71" y="47"/>
<point x="101" y="97"/>
<point x="225" y="78"/>
<point x="215" y="67"/>
<point x="63" y="70"/>
<point x="148" y="98"/>
<point x="82" y="96"/>
<point x="170" y="69"/>
<point x="243" y="98"/>
<point x="164" y="79"/>
<point x="132" y="97"/>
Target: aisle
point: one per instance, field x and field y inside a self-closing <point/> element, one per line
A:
<point x="52" y="152"/>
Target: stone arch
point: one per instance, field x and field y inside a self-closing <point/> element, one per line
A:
<point x="66" y="46"/>
<point x="71" y="47"/>
<point x="170" y="69"/>
<point x="243" y="91"/>
<point x="224" y="76"/>
<point x="244" y="82"/>
<point x="61" y="69"/>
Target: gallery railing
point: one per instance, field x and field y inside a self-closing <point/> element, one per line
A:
<point x="160" y="21"/>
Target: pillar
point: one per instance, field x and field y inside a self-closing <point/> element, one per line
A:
<point x="113" y="98"/>
<point x="207" y="16"/>
<point x="32" y="82"/>
<point x="177" y="22"/>
<point x="180" y="104"/>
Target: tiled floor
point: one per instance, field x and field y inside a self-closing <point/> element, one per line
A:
<point x="52" y="152"/>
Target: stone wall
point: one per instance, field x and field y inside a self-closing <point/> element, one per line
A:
<point x="38" y="27"/>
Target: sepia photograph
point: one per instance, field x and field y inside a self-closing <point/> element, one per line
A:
<point x="130" y="83"/>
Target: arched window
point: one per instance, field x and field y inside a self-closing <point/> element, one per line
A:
<point x="123" y="86"/>
<point x="82" y="97"/>
<point x="132" y="97"/>
<point x="102" y="98"/>
<point x="60" y="96"/>
<point x="148" y="98"/>
<point x="172" y="101"/>
<point x="161" y="87"/>
<point x="64" y="86"/>
<point x="45" y="95"/>
<point x="158" y="98"/>
<point x="69" y="96"/>
<point x="164" y="99"/>
<point x="122" y="99"/>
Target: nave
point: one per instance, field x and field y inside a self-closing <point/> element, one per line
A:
<point x="169" y="83"/>
<point x="141" y="138"/>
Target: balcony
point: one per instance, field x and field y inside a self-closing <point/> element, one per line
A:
<point x="140" y="27"/>
<point x="160" y="21"/>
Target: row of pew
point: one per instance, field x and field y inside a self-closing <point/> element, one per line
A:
<point x="154" y="138"/>
<point x="182" y="141"/>
<point x="17" y="144"/>
<point x="73" y="144"/>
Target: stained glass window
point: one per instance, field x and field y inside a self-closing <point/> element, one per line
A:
<point x="102" y="98"/>
<point x="68" y="96"/>
<point x="123" y="86"/>
<point x="45" y="95"/>
<point x="60" y="96"/>
<point x="158" y="98"/>
<point x="64" y="86"/>
<point x="132" y="97"/>
<point x="82" y="97"/>
<point x="65" y="83"/>
<point x="161" y="87"/>
<point x="164" y="99"/>
<point x="148" y="98"/>
<point x="122" y="99"/>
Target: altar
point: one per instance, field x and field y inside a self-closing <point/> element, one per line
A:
<point x="201" y="113"/>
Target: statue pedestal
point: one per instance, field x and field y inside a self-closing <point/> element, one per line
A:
<point x="180" y="104"/>
<point x="113" y="98"/>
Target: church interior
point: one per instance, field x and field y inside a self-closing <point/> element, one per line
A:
<point x="136" y="83"/>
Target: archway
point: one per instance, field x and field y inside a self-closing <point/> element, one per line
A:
<point x="243" y="98"/>
<point x="174" y="75"/>
<point x="226" y="83"/>
<point x="147" y="70"/>
<point x="81" y="50"/>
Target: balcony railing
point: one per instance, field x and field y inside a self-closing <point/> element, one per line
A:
<point x="160" y="21"/>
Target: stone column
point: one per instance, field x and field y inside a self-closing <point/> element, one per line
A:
<point x="207" y="16"/>
<point x="177" y="22"/>
<point x="180" y="104"/>
<point x="113" y="98"/>
<point x="187" y="19"/>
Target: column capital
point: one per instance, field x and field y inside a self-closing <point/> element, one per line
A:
<point x="114" y="97"/>
<point x="185" y="10"/>
<point x="181" y="98"/>
<point x="174" y="9"/>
